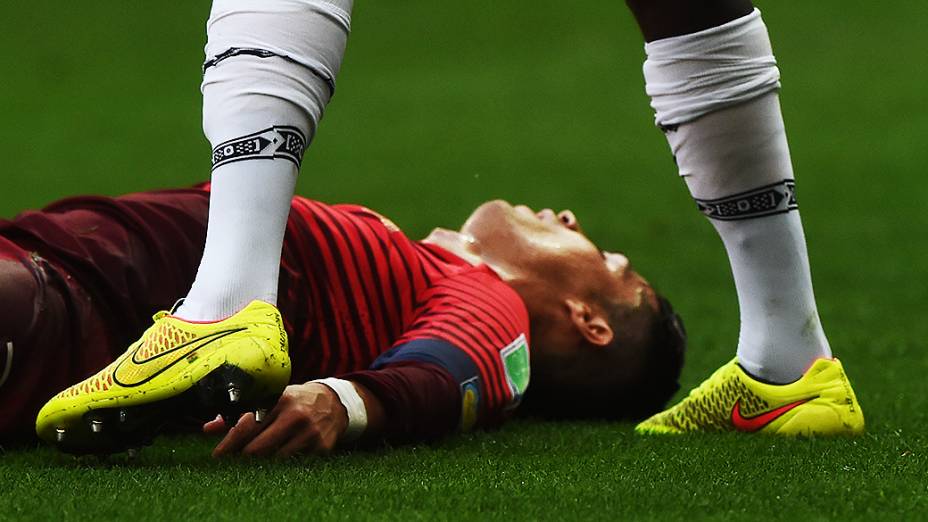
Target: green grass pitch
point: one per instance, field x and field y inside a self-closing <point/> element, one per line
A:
<point x="442" y="105"/>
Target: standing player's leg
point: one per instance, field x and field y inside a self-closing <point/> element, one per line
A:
<point x="269" y="74"/>
<point x="713" y="82"/>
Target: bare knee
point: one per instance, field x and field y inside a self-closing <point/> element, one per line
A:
<point x="666" y="18"/>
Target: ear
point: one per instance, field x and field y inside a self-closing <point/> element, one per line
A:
<point x="591" y="324"/>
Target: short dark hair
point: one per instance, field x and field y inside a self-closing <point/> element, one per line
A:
<point x="663" y="344"/>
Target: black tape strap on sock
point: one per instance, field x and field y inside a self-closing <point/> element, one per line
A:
<point x="278" y="142"/>
<point x="241" y="51"/>
<point x="776" y="198"/>
<point x="264" y="53"/>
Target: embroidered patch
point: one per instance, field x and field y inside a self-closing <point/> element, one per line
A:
<point x="470" y="403"/>
<point x="772" y="199"/>
<point x="516" y="363"/>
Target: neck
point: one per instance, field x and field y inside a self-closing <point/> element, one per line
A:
<point x="459" y="244"/>
<point x="464" y="246"/>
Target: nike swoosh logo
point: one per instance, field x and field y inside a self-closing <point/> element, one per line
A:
<point x="757" y="422"/>
<point x="164" y="360"/>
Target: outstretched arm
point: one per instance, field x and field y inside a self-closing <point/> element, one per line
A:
<point x="404" y="402"/>
<point x="457" y="368"/>
<point x="308" y="418"/>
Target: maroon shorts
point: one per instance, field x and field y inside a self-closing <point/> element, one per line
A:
<point x="79" y="281"/>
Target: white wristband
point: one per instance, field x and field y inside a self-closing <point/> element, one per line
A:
<point x="353" y="403"/>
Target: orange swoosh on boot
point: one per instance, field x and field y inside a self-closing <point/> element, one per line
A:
<point x="757" y="422"/>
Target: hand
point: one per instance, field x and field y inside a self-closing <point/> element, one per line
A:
<point x="308" y="418"/>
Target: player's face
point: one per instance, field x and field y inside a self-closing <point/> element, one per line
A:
<point x="549" y="247"/>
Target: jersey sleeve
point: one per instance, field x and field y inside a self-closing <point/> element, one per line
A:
<point x="420" y="401"/>
<point x="475" y="327"/>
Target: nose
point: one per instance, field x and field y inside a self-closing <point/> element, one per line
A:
<point x="617" y="260"/>
<point x="568" y="219"/>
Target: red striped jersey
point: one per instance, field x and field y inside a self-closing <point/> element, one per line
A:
<point x="361" y="295"/>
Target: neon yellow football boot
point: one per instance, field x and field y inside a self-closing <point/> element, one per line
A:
<point x="177" y="370"/>
<point x="821" y="402"/>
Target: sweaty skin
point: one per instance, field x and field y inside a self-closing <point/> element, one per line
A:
<point x="556" y="269"/>
<point x="522" y="245"/>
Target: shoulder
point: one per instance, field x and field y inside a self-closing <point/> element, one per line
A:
<point x="484" y="297"/>
<point x="364" y="213"/>
<point x="475" y="326"/>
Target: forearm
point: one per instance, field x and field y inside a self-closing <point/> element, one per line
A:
<point x="408" y="402"/>
<point x="376" y="416"/>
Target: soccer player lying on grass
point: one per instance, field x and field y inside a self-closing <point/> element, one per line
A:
<point x="713" y="81"/>
<point x="423" y="338"/>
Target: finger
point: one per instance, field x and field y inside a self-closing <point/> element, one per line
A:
<point x="273" y="437"/>
<point x="215" y="426"/>
<point x="240" y="435"/>
<point x="247" y="429"/>
<point x="302" y="442"/>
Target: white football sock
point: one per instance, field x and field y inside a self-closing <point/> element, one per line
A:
<point x="715" y="96"/>
<point x="269" y="74"/>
